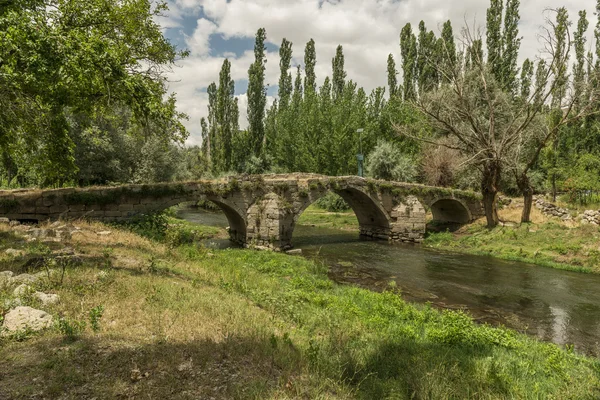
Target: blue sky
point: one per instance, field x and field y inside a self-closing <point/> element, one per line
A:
<point x="367" y="29"/>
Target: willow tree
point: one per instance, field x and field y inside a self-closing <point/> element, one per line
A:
<point x="493" y="131"/>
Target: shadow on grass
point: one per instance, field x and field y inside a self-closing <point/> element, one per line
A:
<point x="102" y="368"/>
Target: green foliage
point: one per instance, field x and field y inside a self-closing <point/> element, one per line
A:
<point x="95" y="315"/>
<point x="83" y="57"/>
<point x="72" y="329"/>
<point x="388" y="163"/>
<point x="332" y="203"/>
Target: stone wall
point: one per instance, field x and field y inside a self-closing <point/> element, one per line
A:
<point x="552" y="210"/>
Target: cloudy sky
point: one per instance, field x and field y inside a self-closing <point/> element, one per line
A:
<point x="368" y="29"/>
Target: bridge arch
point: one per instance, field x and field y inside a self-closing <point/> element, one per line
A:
<point x="451" y="210"/>
<point x="372" y="218"/>
<point x="236" y="220"/>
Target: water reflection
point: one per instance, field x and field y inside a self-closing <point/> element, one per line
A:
<point x="554" y="305"/>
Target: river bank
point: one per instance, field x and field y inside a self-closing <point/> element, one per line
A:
<point x="182" y="321"/>
<point x="549" y="242"/>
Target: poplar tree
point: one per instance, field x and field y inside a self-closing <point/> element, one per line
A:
<point x="494" y="38"/>
<point x="392" y="74"/>
<point x="310" y="61"/>
<point x="213" y="154"/>
<point x="511" y="43"/>
<point x="448" y="49"/>
<point x="526" y="77"/>
<point x="257" y="94"/>
<point x="339" y="74"/>
<point x="226" y="121"/>
<point x="562" y="57"/>
<point x="285" y="77"/>
<point x="579" y="80"/>
<point x="426" y="68"/>
<point x="541" y="81"/>
<point x="408" y="49"/>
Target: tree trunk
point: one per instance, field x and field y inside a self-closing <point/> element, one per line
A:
<point x="525" y="187"/>
<point x="489" y="191"/>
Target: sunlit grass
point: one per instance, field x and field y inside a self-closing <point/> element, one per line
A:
<point x="188" y="322"/>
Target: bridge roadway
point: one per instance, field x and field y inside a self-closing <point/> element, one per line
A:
<point x="262" y="210"/>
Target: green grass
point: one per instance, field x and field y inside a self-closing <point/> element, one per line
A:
<point x="322" y="218"/>
<point x="549" y="244"/>
<point x="187" y="322"/>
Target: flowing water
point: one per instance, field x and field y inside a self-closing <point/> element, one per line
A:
<point x="558" y="306"/>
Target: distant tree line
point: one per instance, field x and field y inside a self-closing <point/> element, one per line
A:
<point x="83" y="101"/>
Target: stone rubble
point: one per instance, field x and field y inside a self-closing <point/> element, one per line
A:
<point x="552" y="210"/>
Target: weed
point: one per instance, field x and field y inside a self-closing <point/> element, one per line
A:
<point x="95" y="315"/>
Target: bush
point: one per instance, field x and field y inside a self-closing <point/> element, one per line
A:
<point x="332" y="202"/>
<point x="388" y="163"/>
<point x="440" y="165"/>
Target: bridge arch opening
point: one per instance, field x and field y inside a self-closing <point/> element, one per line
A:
<point x="373" y="221"/>
<point x="450" y="211"/>
<point x="237" y="223"/>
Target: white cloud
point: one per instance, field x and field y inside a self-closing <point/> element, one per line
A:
<point x="368" y="29"/>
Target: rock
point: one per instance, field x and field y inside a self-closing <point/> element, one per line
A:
<point x="5" y="278"/>
<point x="47" y="298"/>
<point x="21" y="318"/>
<point x="103" y="233"/>
<point x="14" y="223"/>
<point x="15" y="252"/>
<point x="4" y="220"/>
<point x="22" y="290"/>
<point x="294" y="252"/>
<point x="24" y="278"/>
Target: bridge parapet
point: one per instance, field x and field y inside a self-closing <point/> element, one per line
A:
<point x="261" y="210"/>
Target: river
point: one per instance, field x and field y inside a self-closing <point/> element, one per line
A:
<point x="558" y="306"/>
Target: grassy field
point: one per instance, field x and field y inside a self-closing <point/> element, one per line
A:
<point x="314" y="216"/>
<point x="546" y="241"/>
<point x="142" y="318"/>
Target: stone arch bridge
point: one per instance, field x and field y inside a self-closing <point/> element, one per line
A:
<point x="262" y="210"/>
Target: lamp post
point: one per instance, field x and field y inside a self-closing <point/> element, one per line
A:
<point x="360" y="157"/>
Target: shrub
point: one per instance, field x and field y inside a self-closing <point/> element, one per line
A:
<point x="332" y="202"/>
<point x="388" y="163"/>
<point x="440" y="165"/>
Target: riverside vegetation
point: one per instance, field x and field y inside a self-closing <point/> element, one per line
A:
<point x="162" y="317"/>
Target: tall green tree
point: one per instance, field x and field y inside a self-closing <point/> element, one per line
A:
<point x="257" y="94"/>
<point x="560" y="67"/>
<point x="226" y="118"/>
<point x="310" y="61"/>
<point x="579" y="68"/>
<point x="339" y="73"/>
<point x="408" y="49"/>
<point x="392" y="75"/>
<point x="214" y="155"/>
<point x="426" y="69"/>
<point x="447" y="49"/>
<point x="511" y="43"/>
<point x="494" y="40"/>
<point x="285" y="77"/>
<point x="527" y="71"/>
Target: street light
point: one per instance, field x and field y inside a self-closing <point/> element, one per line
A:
<point x="360" y="157"/>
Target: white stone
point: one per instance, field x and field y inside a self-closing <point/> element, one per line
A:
<point x="47" y="298"/>
<point x="14" y="252"/>
<point x="5" y="278"/>
<point x="103" y="233"/>
<point x="24" y="278"/>
<point x="22" y="289"/>
<point x="21" y="318"/>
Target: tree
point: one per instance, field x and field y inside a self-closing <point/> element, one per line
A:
<point x="426" y="71"/>
<point x="257" y="94"/>
<point x="490" y="129"/>
<point x="408" y="48"/>
<point x="83" y="56"/>
<point x="494" y="37"/>
<point x="392" y="74"/>
<point x="310" y="61"/>
<point x="579" y="67"/>
<point x="447" y="49"/>
<point x="511" y="43"/>
<point x="339" y="73"/>
<point x="226" y="118"/>
<point x="285" y="77"/>
<point x="388" y="163"/>
<point x="526" y="79"/>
